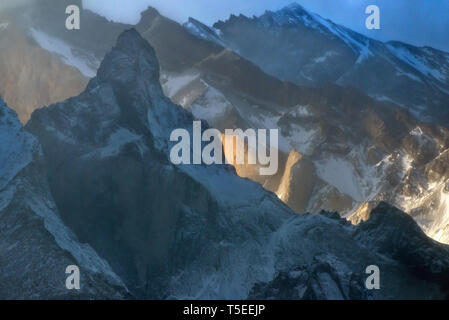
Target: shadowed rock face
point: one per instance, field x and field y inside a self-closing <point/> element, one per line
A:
<point x="35" y="245"/>
<point x="106" y="145"/>
<point x="195" y="231"/>
<point x="306" y="283"/>
<point x="397" y="235"/>
<point x="109" y="170"/>
<point x="388" y="232"/>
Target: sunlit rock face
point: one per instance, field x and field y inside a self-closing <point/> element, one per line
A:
<point x="198" y="231"/>
<point x="245" y="161"/>
<point x="297" y="182"/>
<point x="362" y="213"/>
<point x="31" y="76"/>
<point x="418" y="183"/>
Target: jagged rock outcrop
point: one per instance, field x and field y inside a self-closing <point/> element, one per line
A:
<point x="398" y="236"/>
<point x="391" y="234"/>
<point x="418" y="183"/>
<point x="35" y="245"/>
<point x="322" y="279"/>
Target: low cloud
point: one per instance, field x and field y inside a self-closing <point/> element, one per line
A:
<point x="8" y="4"/>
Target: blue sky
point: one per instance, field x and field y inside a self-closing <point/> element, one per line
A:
<point x="420" y="22"/>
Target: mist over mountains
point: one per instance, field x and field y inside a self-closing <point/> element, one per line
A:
<point x="91" y="174"/>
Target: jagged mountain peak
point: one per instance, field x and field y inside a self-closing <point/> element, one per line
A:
<point x="130" y="39"/>
<point x="293" y="8"/>
<point x="203" y="31"/>
<point x="295" y="14"/>
<point x="126" y="91"/>
<point x="292" y="14"/>
<point x="297" y="17"/>
<point x="131" y="57"/>
<point x="149" y="13"/>
<point x="384" y="215"/>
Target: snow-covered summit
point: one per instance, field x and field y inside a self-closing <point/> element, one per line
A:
<point x="307" y="49"/>
<point x="291" y="14"/>
<point x="203" y="32"/>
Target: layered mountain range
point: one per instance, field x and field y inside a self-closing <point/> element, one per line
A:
<point x="299" y="46"/>
<point x="353" y="148"/>
<point x="165" y="231"/>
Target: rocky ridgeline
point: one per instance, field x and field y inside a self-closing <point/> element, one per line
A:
<point x="201" y="231"/>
